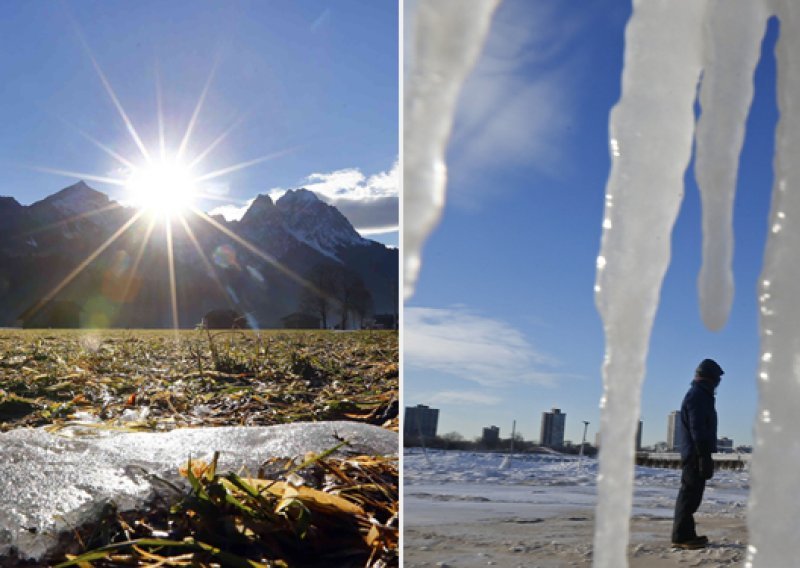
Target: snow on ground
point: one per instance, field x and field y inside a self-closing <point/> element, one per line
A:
<point x="473" y="508"/>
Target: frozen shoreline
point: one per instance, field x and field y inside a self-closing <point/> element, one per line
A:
<point x="461" y="509"/>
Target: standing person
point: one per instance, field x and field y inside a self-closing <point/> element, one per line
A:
<point x="697" y="429"/>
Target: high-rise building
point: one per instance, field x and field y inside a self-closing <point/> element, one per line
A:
<point x="725" y="445"/>
<point x="420" y="422"/>
<point x="552" y="434"/>
<point x="639" y="437"/>
<point x="491" y="436"/>
<point x="673" y="431"/>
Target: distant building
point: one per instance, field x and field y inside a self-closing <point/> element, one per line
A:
<point x="673" y="432"/>
<point x="420" y="422"/>
<point x="639" y="437"/>
<point x="491" y="436"/>
<point x="725" y="445"/>
<point x="661" y="447"/>
<point x="552" y="433"/>
<point x="224" y="319"/>
<point x="384" y="321"/>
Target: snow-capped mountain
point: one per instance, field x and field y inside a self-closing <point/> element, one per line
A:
<point x="299" y="215"/>
<point x="317" y="224"/>
<point x="76" y="199"/>
<point x="257" y="265"/>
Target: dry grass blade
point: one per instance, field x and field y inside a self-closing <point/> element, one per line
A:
<point x="236" y="521"/>
<point x="320" y="509"/>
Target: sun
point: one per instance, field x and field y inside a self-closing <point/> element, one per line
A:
<point x="165" y="188"/>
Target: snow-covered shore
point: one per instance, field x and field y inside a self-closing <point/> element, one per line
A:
<point x="472" y="509"/>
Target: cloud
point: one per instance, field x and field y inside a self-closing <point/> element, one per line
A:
<point x="486" y="351"/>
<point x="517" y="105"/>
<point x="372" y="216"/>
<point x="320" y="20"/>
<point x="232" y="212"/>
<point x="370" y="203"/>
<point x="466" y="398"/>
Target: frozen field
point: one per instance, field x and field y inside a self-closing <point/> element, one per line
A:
<point x="472" y="509"/>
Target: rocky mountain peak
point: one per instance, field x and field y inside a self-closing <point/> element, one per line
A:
<point x="316" y="223"/>
<point x="262" y="208"/>
<point x="77" y="198"/>
<point x="9" y="204"/>
<point x="41" y="244"/>
<point x="301" y="197"/>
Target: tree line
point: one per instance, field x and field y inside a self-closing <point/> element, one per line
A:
<point x="336" y="294"/>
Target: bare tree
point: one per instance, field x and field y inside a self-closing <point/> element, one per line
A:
<point x="362" y="302"/>
<point x="334" y="289"/>
<point x="353" y="296"/>
<point x="321" y="296"/>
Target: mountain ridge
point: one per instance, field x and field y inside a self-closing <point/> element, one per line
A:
<point x="257" y="265"/>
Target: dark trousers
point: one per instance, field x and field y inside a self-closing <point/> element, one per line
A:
<point x="689" y="498"/>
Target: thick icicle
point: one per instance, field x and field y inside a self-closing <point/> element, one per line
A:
<point x="652" y="128"/>
<point x="449" y="35"/>
<point x="734" y="29"/>
<point x="774" y="513"/>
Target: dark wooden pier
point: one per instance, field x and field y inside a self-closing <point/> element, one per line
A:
<point x="673" y="460"/>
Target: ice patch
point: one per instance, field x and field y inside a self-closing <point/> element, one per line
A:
<point x="50" y="483"/>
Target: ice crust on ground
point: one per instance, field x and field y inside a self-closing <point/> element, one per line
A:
<point x="561" y="482"/>
<point x="463" y="509"/>
<point x="50" y="483"/>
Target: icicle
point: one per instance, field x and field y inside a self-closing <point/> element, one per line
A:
<point x="732" y="46"/>
<point x="449" y="35"/>
<point x="774" y="508"/>
<point x="651" y="138"/>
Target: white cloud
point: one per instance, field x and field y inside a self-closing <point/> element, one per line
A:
<point x="465" y="398"/>
<point x="336" y="183"/>
<point x="370" y="203"/>
<point x="516" y="107"/>
<point x="320" y="20"/>
<point x="232" y="212"/>
<point x="486" y="351"/>
<point x="351" y="183"/>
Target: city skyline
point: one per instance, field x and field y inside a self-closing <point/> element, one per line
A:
<point x="641" y="435"/>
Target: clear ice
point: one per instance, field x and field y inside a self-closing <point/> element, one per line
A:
<point x="448" y="37"/>
<point x="51" y="483"/>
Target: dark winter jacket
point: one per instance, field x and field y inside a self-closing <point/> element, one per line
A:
<point x="698" y="423"/>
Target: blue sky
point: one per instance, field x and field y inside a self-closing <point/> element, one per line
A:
<point x="314" y="82"/>
<point x="503" y="324"/>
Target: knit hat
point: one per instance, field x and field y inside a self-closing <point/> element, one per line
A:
<point x="708" y="368"/>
